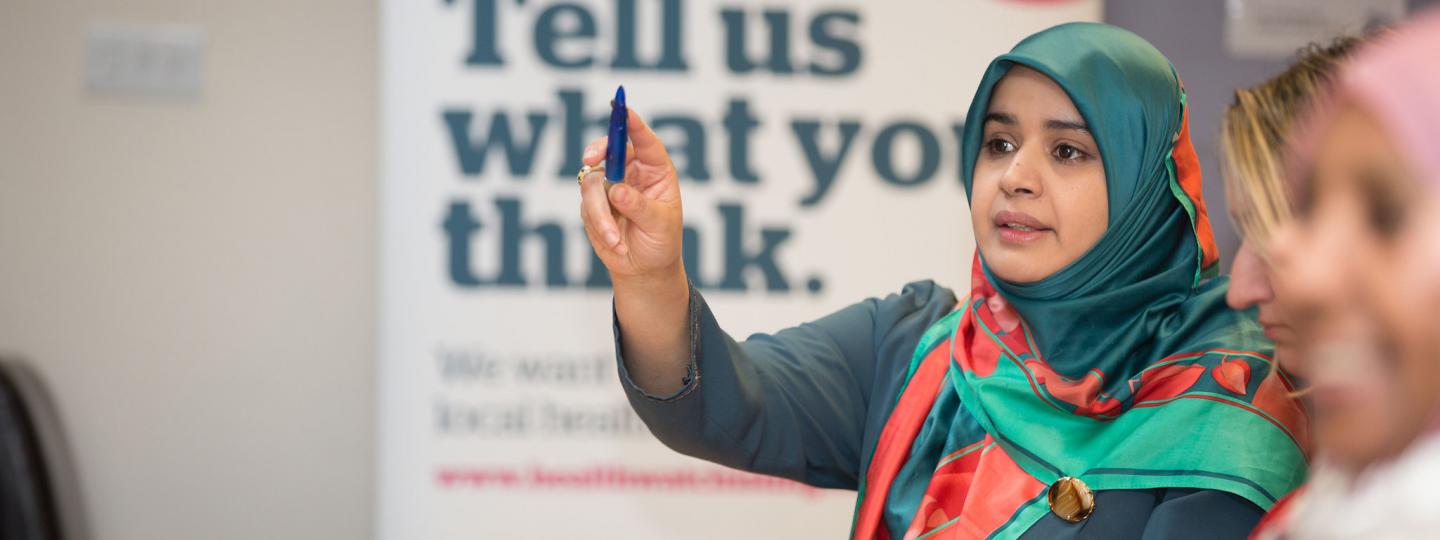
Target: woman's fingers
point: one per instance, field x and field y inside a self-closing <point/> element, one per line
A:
<point x="647" y="164"/>
<point x="648" y="148"/>
<point x="631" y="219"/>
<point x="638" y="209"/>
<point x="595" y="213"/>
<point x="595" y="152"/>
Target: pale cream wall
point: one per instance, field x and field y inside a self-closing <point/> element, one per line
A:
<point x="196" y="280"/>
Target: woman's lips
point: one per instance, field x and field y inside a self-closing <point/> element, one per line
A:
<point x="1019" y="227"/>
<point x="1273" y="324"/>
<point x="1278" y="332"/>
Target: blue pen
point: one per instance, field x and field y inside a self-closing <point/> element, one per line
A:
<point x="615" y="149"/>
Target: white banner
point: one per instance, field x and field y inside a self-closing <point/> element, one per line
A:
<point x="818" y="149"/>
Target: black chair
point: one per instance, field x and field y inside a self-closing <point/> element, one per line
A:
<point x="39" y="497"/>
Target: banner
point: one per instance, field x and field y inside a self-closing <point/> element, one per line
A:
<point x="817" y="145"/>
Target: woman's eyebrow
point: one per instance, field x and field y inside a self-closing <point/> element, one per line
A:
<point x="1010" y="120"/>
<point x="1001" y="117"/>
<point x="1067" y="124"/>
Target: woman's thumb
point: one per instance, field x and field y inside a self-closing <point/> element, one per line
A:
<point x="638" y="208"/>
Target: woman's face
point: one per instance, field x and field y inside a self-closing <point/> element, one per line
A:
<point x="1358" y="280"/>
<point x="1038" y="201"/>
<point x="1250" y="285"/>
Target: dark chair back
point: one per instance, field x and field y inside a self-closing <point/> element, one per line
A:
<point x="39" y="495"/>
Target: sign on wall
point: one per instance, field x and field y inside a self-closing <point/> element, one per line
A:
<point x="1275" y="29"/>
<point x="818" y="149"/>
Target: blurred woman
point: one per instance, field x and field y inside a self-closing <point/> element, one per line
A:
<point x="1253" y="136"/>
<point x="1360" y="269"/>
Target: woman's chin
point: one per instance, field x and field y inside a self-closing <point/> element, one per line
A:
<point x="1021" y="265"/>
<point x="1017" y="268"/>
<point x="1289" y="359"/>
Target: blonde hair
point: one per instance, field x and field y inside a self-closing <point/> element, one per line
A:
<point x="1254" y="132"/>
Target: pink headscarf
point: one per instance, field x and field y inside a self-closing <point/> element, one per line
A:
<point x="1397" y="78"/>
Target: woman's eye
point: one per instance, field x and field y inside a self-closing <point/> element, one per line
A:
<point x="1066" y="152"/>
<point x="999" y="146"/>
<point x="1386" y="208"/>
<point x="1384" y="199"/>
<point x="1387" y="220"/>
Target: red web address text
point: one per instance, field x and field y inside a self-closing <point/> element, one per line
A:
<point x="615" y="476"/>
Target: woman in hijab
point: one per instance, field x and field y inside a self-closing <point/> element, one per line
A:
<point x="1361" y="267"/>
<point x="1092" y="384"/>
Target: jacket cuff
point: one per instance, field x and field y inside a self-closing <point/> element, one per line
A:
<point x="691" y="382"/>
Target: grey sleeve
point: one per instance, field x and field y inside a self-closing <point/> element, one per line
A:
<point x="795" y="403"/>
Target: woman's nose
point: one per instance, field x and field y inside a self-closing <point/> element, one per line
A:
<point x="1249" y="279"/>
<point x="1021" y="177"/>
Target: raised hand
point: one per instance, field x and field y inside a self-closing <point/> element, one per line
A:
<point x="635" y="226"/>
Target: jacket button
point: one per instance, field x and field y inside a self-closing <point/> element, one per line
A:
<point x="1071" y="499"/>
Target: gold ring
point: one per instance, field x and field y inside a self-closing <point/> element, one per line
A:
<point x="598" y="167"/>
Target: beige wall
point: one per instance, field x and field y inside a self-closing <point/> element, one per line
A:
<point x="196" y="280"/>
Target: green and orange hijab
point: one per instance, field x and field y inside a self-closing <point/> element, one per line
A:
<point x="1126" y="371"/>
